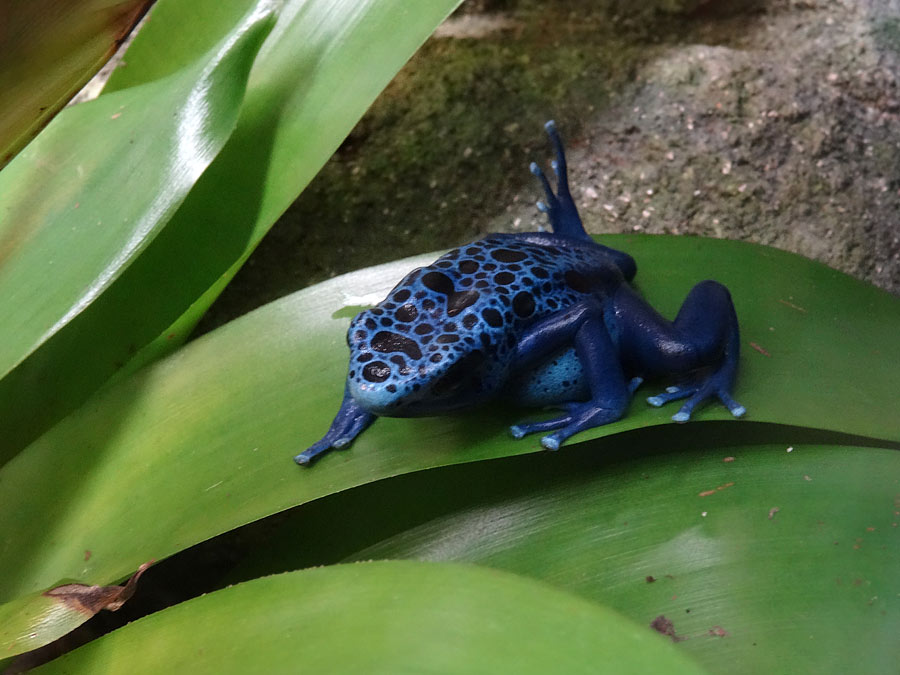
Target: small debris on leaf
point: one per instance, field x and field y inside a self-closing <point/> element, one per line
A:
<point x="87" y="555"/>
<point x="792" y="306"/>
<point x="728" y="459"/>
<point x="662" y="625"/>
<point x="759" y="349"/>
<point x="773" y="511"/>
<point x="650" y="579"/>
<point x="707" y="493"/>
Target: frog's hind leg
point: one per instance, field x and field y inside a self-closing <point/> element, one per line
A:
<point x="585" y="326"/>
<point x="350" y="421"/>
<point x="559" y="206"/>
<point x="701" y="346"/>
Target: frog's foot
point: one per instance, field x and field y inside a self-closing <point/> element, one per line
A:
<point x="559" y="206"/>
<point x="696" y="394"/>
<point x="350" y="421"/>
<point x="579" y="417"/>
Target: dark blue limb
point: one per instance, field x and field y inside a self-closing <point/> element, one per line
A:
<point x="349" y="422"/>
<point x="560" y="207"/>
<point x="701" y="346"/>
<point x="582" y="325"/>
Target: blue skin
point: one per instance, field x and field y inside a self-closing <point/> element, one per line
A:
<point x="543" y="319"/>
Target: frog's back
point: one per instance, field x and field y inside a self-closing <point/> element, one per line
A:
<point x="506" y="281"/>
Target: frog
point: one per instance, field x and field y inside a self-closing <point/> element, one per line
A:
<point x="541" y="319"/>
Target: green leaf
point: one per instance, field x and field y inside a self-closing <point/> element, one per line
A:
<point x="73" y="220"/>
<point x="381" y="618"/>
<point x="51" y="48"/>
<point x="202" y="441"/>
<point x="37" y="619"/>
<point x="764" y="560"/>
<point x="294" y="119"/>
<point x="315" y="76"/>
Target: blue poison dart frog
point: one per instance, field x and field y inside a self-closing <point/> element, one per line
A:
<point x="537" y="318"/>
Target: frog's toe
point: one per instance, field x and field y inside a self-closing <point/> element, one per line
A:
<point x="580" y="415"/>
<point x="697" y="393"/>
<point x="550" y="443"/>
<point x="517" y="431"/>
<point x="733" y="406"/>
<point x="306" y="457"/>
<point x="671" y="394"/>
<point x="522" y="430"/>
<point x="707" y="391"/>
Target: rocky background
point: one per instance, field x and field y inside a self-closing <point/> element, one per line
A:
<point x="773" y="121"/>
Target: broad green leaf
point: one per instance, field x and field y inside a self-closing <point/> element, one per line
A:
<point x="764" y="560"/>
<point x="323" y="65"/>
<point x="202" y="441"/>
<point x="73" y="220"/>
<point x="396" y="617"/>
<point x="51" y="48"/>
<point x="294" y="120"/>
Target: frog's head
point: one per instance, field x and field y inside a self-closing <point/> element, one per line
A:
<point x="414" y="369"/>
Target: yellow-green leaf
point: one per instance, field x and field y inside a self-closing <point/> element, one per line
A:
<point x="77" y="306"/>
<point x="50" y="49"/>
<point x="72" y="219"/>
<point x="398" y="617"/>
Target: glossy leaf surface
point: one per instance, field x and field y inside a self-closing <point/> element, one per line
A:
<point x="291" y="119"/>
<point x="73" y="220"/>
<point x="34" y="620"/>
<point x="202" y="442"/>
<point x="50" y="49"/>
<point x="381" y="618"/>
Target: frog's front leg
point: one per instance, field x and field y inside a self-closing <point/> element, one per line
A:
<point x="584" y="325"/>
<point x="350" y="421"/>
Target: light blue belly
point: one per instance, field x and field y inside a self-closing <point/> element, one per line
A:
<point x="559" y="380"/>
